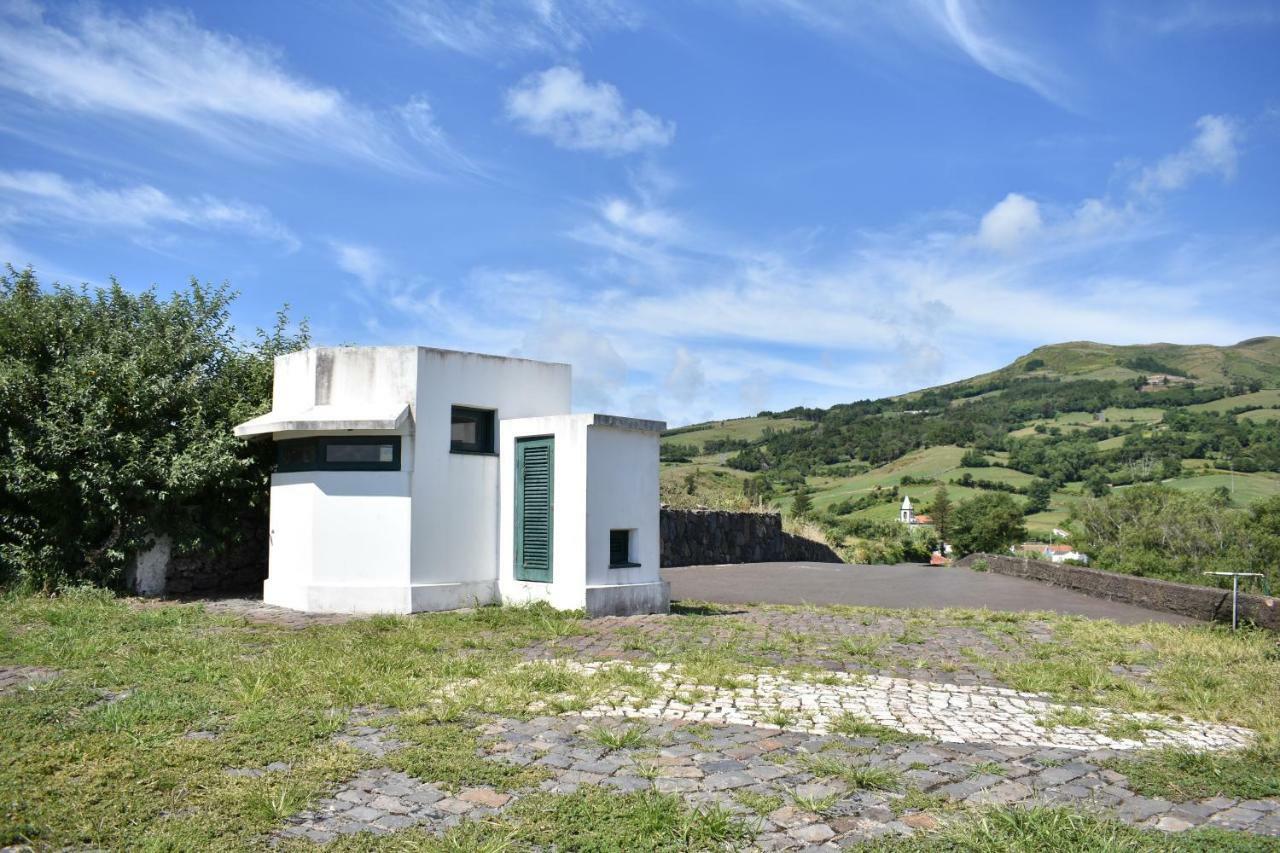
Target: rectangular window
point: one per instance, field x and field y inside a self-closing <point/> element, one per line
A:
<point x="347" y="453"/>
<point x="620" y="550"/>
<point x="471" y="430"/>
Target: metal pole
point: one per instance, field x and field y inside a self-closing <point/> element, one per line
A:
<point x="1235" y="590"/>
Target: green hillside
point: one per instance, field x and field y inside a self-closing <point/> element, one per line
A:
<point x="1064" y="421"/>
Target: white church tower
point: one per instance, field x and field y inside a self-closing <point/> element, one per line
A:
<point x="907" y="515"/>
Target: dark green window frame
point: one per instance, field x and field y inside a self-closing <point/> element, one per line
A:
<point x="620" y="549"/>
<point x="311" y="454"/>
<point x="486" y="421"/>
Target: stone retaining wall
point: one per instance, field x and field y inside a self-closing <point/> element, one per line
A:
<point x="240" y="568"/>
<point x="695" y="537"/>
<point x="1199" y="602"/>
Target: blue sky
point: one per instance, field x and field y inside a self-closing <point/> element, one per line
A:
<point x="708" y="208"/>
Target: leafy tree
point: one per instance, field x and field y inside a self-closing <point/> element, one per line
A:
<point x="116" y="411"/>
<point x="802" y="504"/>
<point x="940" y="512"/>
<point x="973" y="459"/>
<point x="1039" y="493"/>
<point x="988" y="523"/>
<point x="1097" y="483"/>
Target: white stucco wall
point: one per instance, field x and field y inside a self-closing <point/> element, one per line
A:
<point x="567" y="589"/>
<point x="606" y="477"/>
<point x="622" y="493"/>
<point x="456" y="495"/>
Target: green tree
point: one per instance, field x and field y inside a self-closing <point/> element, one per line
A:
<point x="1039" y="493"/>
<point x="1097" y="483"/>
<point x="988" y="523"/>
<point x="116" y="411"/>
<point x="802" y="504"/>
<point x="940" y="512"/>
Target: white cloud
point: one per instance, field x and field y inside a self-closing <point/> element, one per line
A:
<point x="420" y="121"/>
<point x="959" y="25"/>
<point x="484" y="27"/>
<point x="1010" y="223"/>
<point x="1214" y="150"/>
<point x="41" y="197"/>
<point x="562" y="106"/>
<point x="686" y="379"/>
<point x="963" y="22"/>
<point x="163" y="68"/>
<point x="363" y="262"/>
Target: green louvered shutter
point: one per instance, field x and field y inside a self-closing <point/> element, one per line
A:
<point x="535" y="500"/>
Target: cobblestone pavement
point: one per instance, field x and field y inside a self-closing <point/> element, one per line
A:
<point x="799" y="790"/>
<point x="886" y="644"/>
<point x="17" y="677"/>
<point x="945" y="712"/>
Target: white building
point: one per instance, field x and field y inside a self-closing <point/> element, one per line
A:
<point x="413" y="479"/>
<point x="906" y="514"/>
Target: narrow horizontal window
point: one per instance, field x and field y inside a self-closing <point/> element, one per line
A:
<point x="350" y="453"/>
<point x="471" y="430"/>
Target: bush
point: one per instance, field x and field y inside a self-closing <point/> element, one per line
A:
<point x="989" y="522"/>
<point x="115" y="425"/>
<point x="1159" y="531"/>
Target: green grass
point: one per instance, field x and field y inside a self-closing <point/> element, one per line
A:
<point x="858" y="777"/>
<point x="1261" y="415"/>
<point x="123" y="776"/>
<point x="1258" y="400"/>
<point x="1179" y="775"/>
<point x="1044" y="830"/>
<point x="1245" y="488"/>
<point x="744" y="429"/>
<point x="851" y="725"/>
<point x="626" y="737"/>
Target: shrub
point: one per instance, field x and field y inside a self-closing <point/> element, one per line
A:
<point x="115" y="425"/>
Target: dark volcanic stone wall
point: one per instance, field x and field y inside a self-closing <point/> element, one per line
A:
<point x="240" y="569"/>
<point x="696" y="537"/>
<point x="1199" y="602"/>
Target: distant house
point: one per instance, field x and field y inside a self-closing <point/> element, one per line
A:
<point x="1054" y="553"/>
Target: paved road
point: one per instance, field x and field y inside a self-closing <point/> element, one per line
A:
<point x="905" y="585"/>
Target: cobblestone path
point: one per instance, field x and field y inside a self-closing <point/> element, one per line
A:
<point x="801" y="790"/>
<point x="944" y="712"/>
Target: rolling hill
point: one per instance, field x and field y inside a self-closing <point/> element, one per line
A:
<point x="1082" y="416"/>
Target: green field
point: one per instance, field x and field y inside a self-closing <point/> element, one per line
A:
<point x="1245" y="488"/>
<point x="1257" y="400"/>
<point x="1261" y="415"/>
<point x="745" y="429"/>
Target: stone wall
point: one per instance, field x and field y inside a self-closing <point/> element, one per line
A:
<point x="241" y="568"/>
<point x="695" y="537"/>
<point x="1199" y="602"/>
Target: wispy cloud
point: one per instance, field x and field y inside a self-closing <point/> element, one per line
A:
<point x="1213" y="151"/>
<point x="162" y="68"/>
<point x="33" y="197"/>
<point x="559" y="104"/>
<point x="725" y="326"/>
<point x="960" y="25"/>
<point x="494" y="27"/>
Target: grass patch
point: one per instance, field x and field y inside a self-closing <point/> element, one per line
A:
<point x="594" y="819"/>
<point x="761" y="804"/>
<point x="1039" y="829"/>
<point x="856" y="776"/>
<point x="1179" y="775"/>
<point x="852" y="725"/>
<point x="626" y="737"/>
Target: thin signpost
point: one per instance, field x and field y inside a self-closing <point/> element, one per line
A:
<point x="1235" y="590"/>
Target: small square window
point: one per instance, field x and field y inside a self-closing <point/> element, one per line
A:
<point x="620" y="550"/>
<point x="471" y="430"/>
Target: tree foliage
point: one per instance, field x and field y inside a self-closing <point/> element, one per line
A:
<point x="987" y="523"/>
<point x="116" y="411"/>
<point x="1158" y="531"/>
